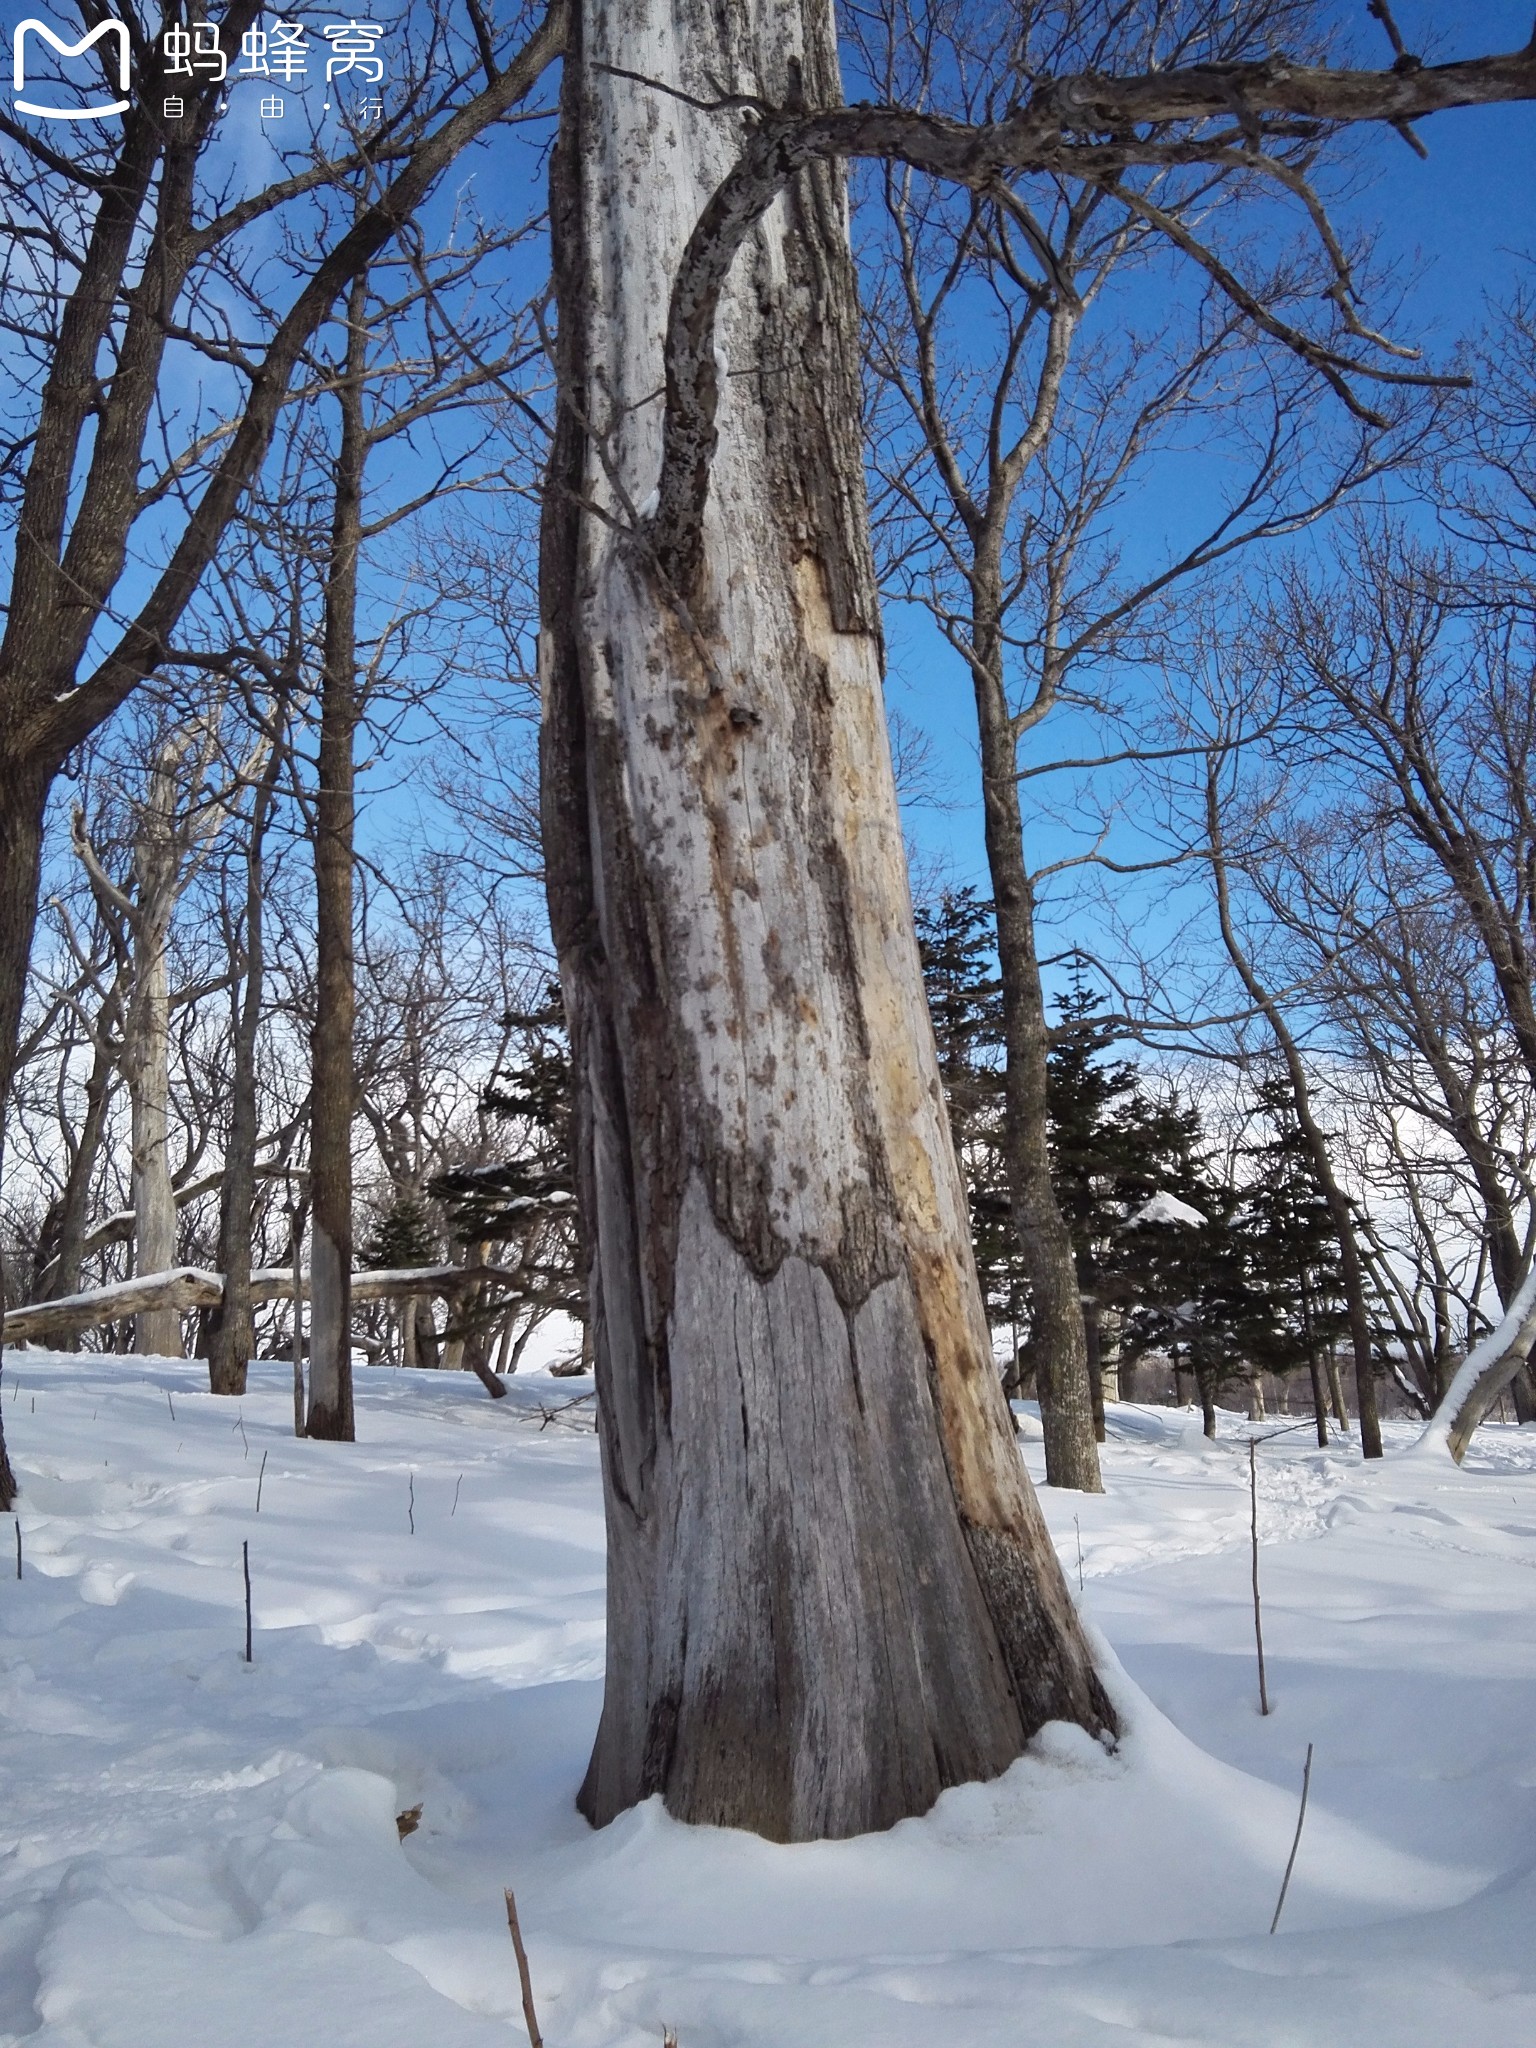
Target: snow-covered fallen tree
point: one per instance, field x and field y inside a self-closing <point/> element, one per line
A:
<point x="1485" y="1372"/>
<point x="186" y="1287"/>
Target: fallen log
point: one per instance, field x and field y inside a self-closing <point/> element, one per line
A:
<point x="187" y="1287"/>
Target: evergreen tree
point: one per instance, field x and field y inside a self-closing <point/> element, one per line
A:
<point x="1253" y="1288"/>
<point x="533" y="1099"/>
<point x="1293" y="1252"/>
<point x="403" y="1236"/>
<point x="956" y="943"/>
<point x="1113" y="1146"/>
<point x="1192" y="1293"/>
<point x="524" y="1204"/>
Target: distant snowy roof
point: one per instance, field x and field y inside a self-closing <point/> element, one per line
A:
<point x="1165" y="1208"/>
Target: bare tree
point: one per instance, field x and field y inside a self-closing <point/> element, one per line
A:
<point x="230" y="1335"/>
<point x="386" y="391"/>
<point x="1425" y="696"/>
<point x="182" y="811"/>
<point x="1004" y="463"/>
<point x="123" y="260"/>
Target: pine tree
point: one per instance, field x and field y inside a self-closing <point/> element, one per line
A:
<point x="532" y="1098"/>
<point x="956" y="945"/>
<point x="525" y="1202"/>
<point x="1293" y="1252"/>
<point x="1255" y="1286"/>
<point x="402" y="1237"/>
<point x="1113" y="1146"/>
<point x="955" y="941"/>
<point x="1195" y="1294"/>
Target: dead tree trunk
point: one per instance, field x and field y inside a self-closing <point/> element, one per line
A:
<point x="333" y="1093"/>
<point x="157" y="863"/>
<point x="146" y="1058"/>
<point x="830" y="1590"/>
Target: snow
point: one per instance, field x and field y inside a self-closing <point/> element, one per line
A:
<point x="1166" y="1208"/>
<point x="196" y="1852"/>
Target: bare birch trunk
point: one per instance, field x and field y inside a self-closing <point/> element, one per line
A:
<point x="147" y="1066"/>
<point x="160" y="847"/>
<point x="830" y="1590"/>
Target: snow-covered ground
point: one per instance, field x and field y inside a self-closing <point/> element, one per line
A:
<point x="197" y="1852"/>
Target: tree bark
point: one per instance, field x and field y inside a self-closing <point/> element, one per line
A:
<point x="21" y="845"/>
<point x="64" y="1273"/>
<point x="333" y="1092"/>
<point x="1207" y="1391"/>
<point x="296" y="1256"/>
<point x="1058" y="1341"/>
<point x="1319" y="1400"/>
<point x="147" y="1059"/>
<point x="830" y="1590"/>
<point x="231" y="1327"/>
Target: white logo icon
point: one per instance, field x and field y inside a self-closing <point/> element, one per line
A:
<point x="19" y="68"/>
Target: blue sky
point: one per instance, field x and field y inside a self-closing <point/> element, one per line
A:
<point x="1453" y="231"/>
<point x="1453" y="228"/>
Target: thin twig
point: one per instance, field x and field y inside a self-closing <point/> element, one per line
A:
<point x="259" y="1478"/>
<point x="1258" y="1626"/>
<point x="724" y="103"/>
<point x="410" y="1505"/>
<point x="550" y="1414"/>
<point x="18" y="1546"/>
<point x="1306" y="1786"/>
<point x="536" y="2039"/>
<point x="245" y="1558"/>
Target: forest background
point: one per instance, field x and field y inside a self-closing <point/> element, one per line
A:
<point x="457" y="1049"/>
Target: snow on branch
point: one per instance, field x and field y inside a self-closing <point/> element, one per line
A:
<point x="1483" y="1375"/>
